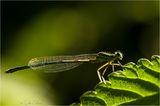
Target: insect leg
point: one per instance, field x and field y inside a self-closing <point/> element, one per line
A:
<point x="99" y="75"/>
<point x="104" y="73"/>
<point x="105" y="70"/>
<point x="116" y="64"/>
<point x="119" y="64"/>
<point x="98" y="72"/>
<point x="113" y="67"/>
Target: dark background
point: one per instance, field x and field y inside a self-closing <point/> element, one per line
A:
<point x="131" y="27"/>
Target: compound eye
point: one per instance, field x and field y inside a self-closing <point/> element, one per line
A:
<point x="119" y="54"/>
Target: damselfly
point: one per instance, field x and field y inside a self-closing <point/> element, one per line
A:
<point x="63" y="63"/>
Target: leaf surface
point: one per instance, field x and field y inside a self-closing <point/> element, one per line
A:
<point x="135" y="85"/>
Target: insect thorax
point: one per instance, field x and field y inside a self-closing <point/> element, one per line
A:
<point x="106" y="57"/>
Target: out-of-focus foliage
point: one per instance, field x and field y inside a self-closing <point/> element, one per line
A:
<point x="33" y="29"/>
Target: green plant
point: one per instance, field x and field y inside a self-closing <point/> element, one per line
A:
<point x="135" y="85"/>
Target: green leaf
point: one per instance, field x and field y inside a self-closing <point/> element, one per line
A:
<point x="135" y="85"/>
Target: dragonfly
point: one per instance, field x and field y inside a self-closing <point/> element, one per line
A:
<point x="62" y="63"/>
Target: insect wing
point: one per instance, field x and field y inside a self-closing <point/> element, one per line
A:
<point x="52" y="68"/>
<point x="59" y="63"/>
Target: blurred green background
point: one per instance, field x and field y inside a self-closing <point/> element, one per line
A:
<point x="34" y="29"/>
